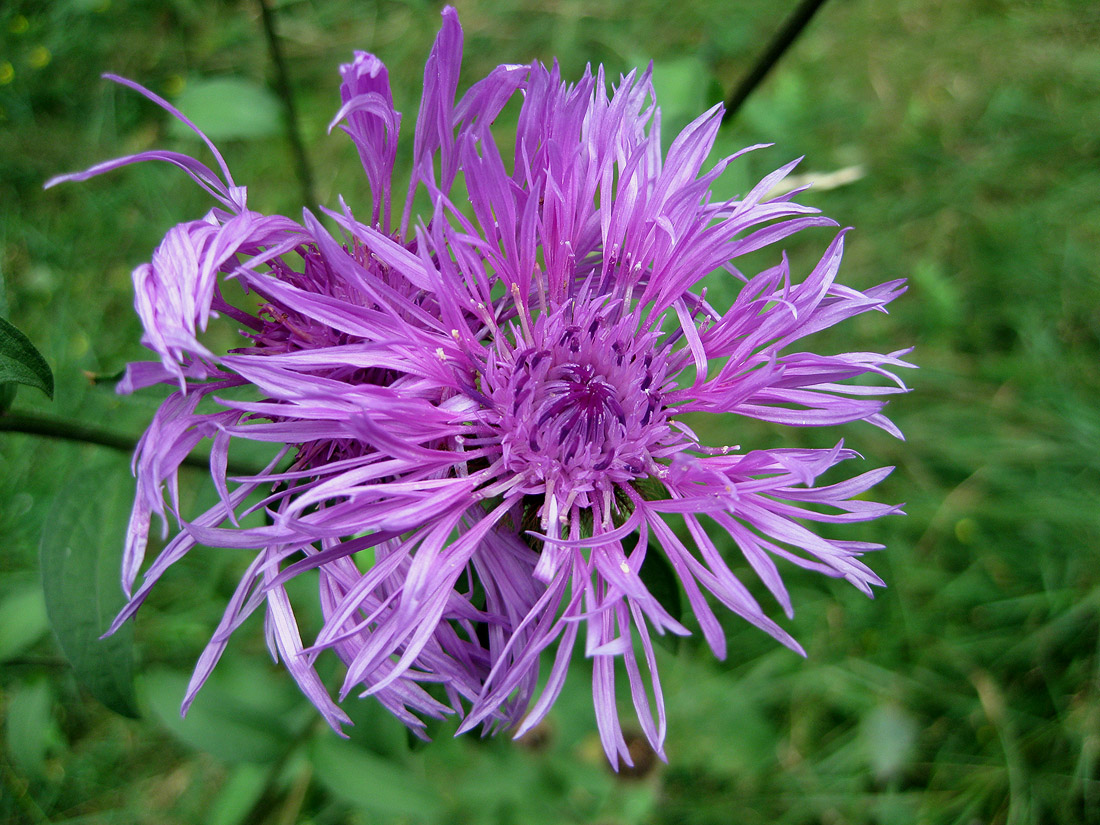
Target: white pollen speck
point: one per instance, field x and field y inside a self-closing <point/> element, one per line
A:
<point x="624" y="567"/>
<point x="442" y="356"/>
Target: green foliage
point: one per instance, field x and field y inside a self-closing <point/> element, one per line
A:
<point x="238" y="796"/>
<point x="80" y="558"/>
<point x="383" y="787"/>
<point x="965" y="692"/>
<point x="31" y="730"/>
<point x="21" y="363"/>
<point x="685" y="88"/>
<point x="242" y="714"/>
<point x="22" y="620"/>
<point x="660" y="579"/>
<point x="227" y="108"/>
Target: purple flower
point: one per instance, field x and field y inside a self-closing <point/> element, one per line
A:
<point x="479" y="423"/>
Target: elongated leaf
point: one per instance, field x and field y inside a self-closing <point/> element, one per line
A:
<point x="383" y="787"/>
<point x="243" y="713"/>
<point x="31" y="729"/>
<point x="661" y="581"/>
<point x="22" y="620"/>
<point x="244" y="786"/>
<point x="889" y="736"/>
<point x="685" y="87"/>
<point x="20" y="362"/>
<point x="79" y="554"/>
<point x="228" y="108"/>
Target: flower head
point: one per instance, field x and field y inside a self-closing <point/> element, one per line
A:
<point x="490" y="407"/>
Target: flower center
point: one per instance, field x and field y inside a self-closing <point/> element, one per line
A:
<point x="578" y="403"/>
<point x="579" y="408"/>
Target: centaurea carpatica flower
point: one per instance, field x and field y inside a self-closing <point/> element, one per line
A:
<point x="491" y="406"/>
<point x="594" y="341"/>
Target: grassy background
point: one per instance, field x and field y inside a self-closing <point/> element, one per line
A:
<point x="967" y="692"/>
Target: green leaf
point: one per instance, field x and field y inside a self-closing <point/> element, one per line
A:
<point x="236" y="716"/>
<point x="736" y="181"/>
<point x="941" y="294"/>
<point x="22" y="620"/>
<point x="228" y="108"/>
<point x="79" y="555"/>
<point x="377" y="730"/>
<point x="236" y="798"/>
<point x="889" y="737"/>
<point x="20" y="362"/>
<point x="31" y="729"/>
<point x="383" y="787"/>
<point x="661" y="581"/>
<point x="682" y="86"/>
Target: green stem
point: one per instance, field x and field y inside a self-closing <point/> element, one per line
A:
<point x="51" y="427"/>
<point x="282" y="83"/>
<point x="782" y="41"/>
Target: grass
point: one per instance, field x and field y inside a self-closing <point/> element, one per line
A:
<point x="966" y="692"/>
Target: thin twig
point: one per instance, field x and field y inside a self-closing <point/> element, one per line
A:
<point x="780" y="43"/>
<point x="282" y="83"/>
<point x="68" y="430"/>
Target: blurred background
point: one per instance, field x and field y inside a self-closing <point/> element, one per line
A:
<point x="962" y="141"/>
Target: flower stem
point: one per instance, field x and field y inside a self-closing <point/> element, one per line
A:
<point x="780" y="43"/>
<point x="282" y="83"/>
<point x="51" y="427"/>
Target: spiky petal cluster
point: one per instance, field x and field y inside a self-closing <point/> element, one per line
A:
<point x="477" y="426"/>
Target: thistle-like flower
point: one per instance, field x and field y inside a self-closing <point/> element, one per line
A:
<point x="481" y="421"/>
